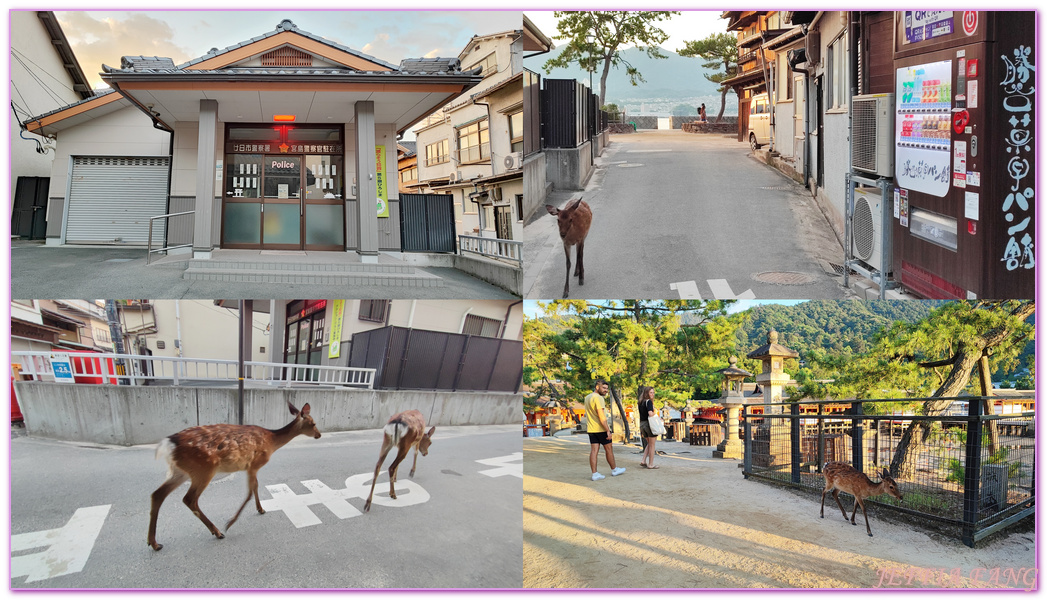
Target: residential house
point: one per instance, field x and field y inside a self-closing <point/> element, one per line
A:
<point x="471" y="148"/>
<point x="45" y="75"/>
<point x="407" y="166"/>
<point x="756" y="69"/>
<point x="536" y="186"/>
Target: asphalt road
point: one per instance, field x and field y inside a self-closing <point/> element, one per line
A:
<point x="80" y="513"/>
<point x="685" y="215"/>
<point x="39" y="271"/>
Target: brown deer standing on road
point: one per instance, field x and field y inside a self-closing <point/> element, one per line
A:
<point x="198" y="453"/>
<point x="404" y="430"/>
<point x="574" y="220"/>
<point x="842" y="477"/>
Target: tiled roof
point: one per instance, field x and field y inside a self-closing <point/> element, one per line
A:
<point x="146" y="62"/>
<point x="286" y="25"/>
<point x="430" y="65"/>
<point x="97" y="95"/>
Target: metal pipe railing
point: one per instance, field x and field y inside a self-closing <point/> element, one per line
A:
<point x="165" y="248"/>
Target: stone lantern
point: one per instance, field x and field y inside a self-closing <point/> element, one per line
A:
<point x="732" y="399"/>
<point x="773" y="378"/>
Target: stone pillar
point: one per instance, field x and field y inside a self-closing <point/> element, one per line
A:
<point x="366" y="184"/>
<point x="203" y="242"/>
<point x="733" y="399"/>
<point x="773" y="378"/>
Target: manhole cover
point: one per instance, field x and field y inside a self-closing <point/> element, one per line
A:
<point x="783" y="278"/>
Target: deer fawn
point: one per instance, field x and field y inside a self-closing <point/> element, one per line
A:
<point x="574" y="220"/>
<point x="198" y="453"/>
<point x="404" y="430"/>
<point x="842" y="477"/>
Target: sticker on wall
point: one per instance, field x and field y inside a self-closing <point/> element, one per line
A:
<point x="897" y="196"/>
<point x="974" y="178"/>
<point x="903" y="208"/>
<point x="970" y="205"/>
<point x="970" y="22"/>
<point x="972" y="93"/>
<point x="959" y="157"/>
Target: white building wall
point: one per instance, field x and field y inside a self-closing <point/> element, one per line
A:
<point x="208" y="331"/>
<point x="30" y="39"/>
<point x="836" y="124"/>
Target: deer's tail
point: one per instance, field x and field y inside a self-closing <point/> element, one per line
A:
<point x="396" y="430"/>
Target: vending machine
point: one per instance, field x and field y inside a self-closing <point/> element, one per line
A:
<point x="965" y="153"/>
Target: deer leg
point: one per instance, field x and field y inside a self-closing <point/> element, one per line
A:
<point x="858" y="502"/>
<point x="192" y="498"/>
<point x="824" y="492"/>
<point x="377" y="469"/>
<point x="401" y="454"/>
<point x="579" y="267"/>
<point x="567" y="282"/>
<point x="415" y="463"/>
<point x="252" y="490"/>
<point x="176" y="479"/>
<point x="836" y="496"/>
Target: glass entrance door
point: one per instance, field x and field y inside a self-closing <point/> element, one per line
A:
<point x="282" y="202"/>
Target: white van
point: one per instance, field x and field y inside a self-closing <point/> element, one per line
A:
<point x="759" y="121"/>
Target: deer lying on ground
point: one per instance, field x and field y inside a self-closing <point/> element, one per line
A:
<point x="404" y="430"/>
<point x="198" y="453"/>
<point x="842" y="477"/>
<point x="574" y="220"/>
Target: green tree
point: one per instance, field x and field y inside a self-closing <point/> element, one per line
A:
<point x="933" y="358"/>
<point x="629" y="344"/>
<point x="596" y="37"/>
<point x="720" y="51"/>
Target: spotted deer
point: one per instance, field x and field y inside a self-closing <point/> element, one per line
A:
<point x="573" y="220"/>
<point x="198" y="453"/>
<point x="842" y="477"/>
<point x="404" y="431"/>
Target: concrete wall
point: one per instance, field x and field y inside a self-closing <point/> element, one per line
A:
<point x="503" y="275"/>
<point x="569" y="168"/>
<point x="125" y="415"/>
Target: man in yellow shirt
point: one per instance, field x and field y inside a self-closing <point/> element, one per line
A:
<point x="598" y="430"/>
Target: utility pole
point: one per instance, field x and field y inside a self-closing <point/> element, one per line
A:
<point x="115" y="331"/>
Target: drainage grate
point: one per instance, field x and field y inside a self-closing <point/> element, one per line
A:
<point x="837" y="268"/>
<point x="784" y="278"/>
<point x="119" y="260"/>
<point x="778" y="188"/>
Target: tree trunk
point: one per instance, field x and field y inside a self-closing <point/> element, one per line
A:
<point x="723" y="104"/>
<point x="986" y="382"/>
<point x="621" y="410"/>
<point x="603" y="79"/>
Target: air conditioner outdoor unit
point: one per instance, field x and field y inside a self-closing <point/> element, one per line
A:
<point x="512" y="161"/>
<point x="454" y="176"/>
<point x="867" y="229"/>
<point x="872" y="134"/>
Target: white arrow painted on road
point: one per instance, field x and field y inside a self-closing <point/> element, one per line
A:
<point x="296" y="506"/>
<point x="688" y="290"/>
<point x="722" y="291"/>
<point x="67" y="548"/>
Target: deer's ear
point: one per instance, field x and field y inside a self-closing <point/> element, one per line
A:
<point x="552" y="210"/>
<point x="886" y="474"/>
<point x="291" y="408"/>
<point x="574" y="205"/>
<point x="430" y="434"/>
<point x="305" y="410"/>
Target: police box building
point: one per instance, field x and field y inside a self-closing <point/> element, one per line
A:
<point x="286" y="141"/>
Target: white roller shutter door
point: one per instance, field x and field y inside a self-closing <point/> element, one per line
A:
<point x="111" y="199"/>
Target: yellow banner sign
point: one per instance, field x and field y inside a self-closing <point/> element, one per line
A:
<point x="338" y="309"/>
<point x="383" y="192"/>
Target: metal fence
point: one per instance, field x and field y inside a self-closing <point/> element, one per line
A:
<point x="967" y="470"/>
<point x="417" y="359"/>
<point x="508" y="250"/>
<point x="134" y="369"/>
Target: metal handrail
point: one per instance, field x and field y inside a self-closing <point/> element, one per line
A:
<point x="149" y="241"/>
<point x="492" y="247"/>
<point x="179" y="370"/>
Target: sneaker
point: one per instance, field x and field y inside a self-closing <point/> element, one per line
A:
<point x="617" y="472"/>
<point x="598" y="477"/>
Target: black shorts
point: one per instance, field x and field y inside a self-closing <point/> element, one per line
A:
<point x="599" y="438"/>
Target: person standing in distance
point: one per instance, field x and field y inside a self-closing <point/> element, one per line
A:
<point x="598" y="430"/>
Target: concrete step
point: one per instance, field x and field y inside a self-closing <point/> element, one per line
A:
<point x="300" y="267"/>
<point x="393" y="274"/>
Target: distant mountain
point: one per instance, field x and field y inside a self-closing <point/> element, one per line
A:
<point x="668" y="82"/>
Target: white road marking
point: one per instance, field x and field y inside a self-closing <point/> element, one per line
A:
<point x="67" y="548"/>
<point x="644" y="151"/>
<point x="504" y="466"/>
<point x="688" y="290"/>
<point x="296" y="506"/>
<point x="722" y="291"/>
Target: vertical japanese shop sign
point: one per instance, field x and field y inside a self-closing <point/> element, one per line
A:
<point x="1018" y="101"/>
<point x="383" y="191"/>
